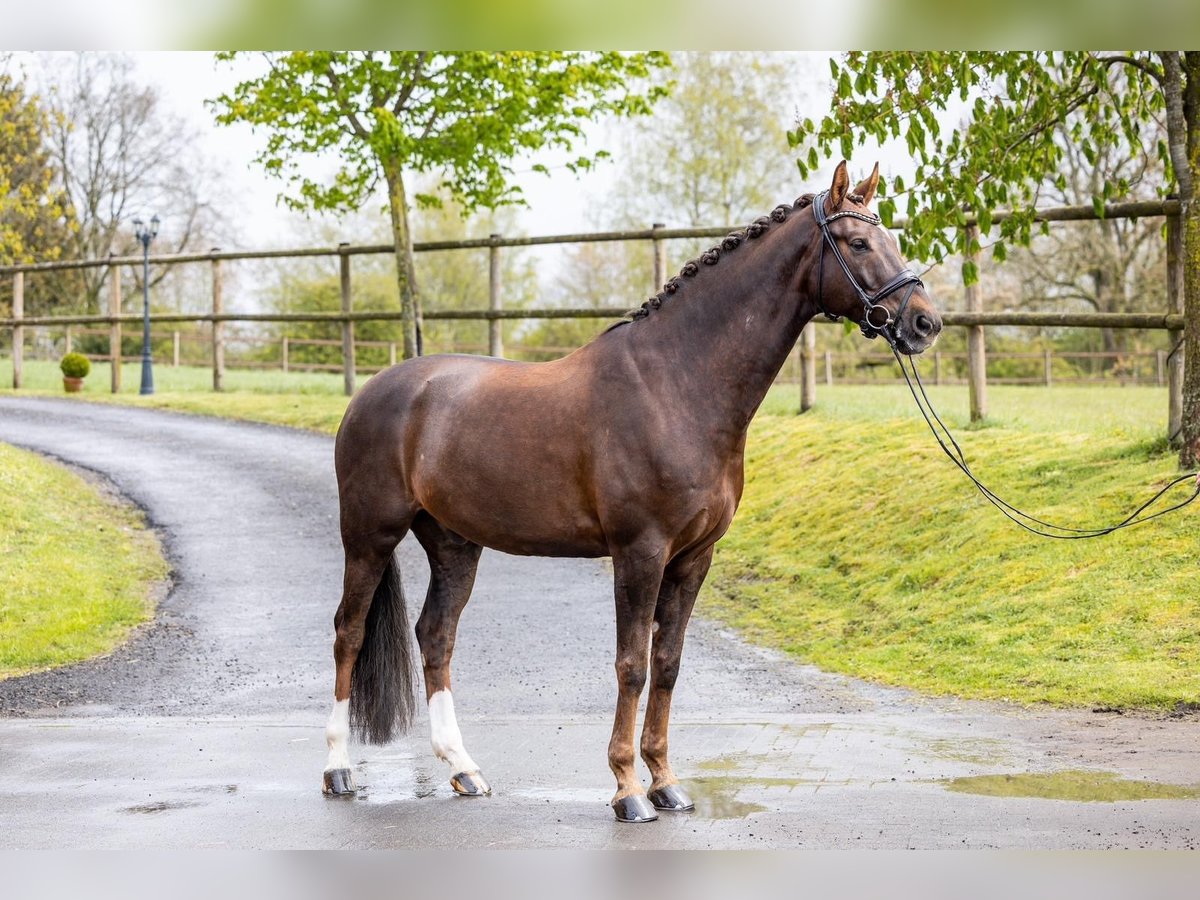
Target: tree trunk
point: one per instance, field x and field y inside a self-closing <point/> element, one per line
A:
<point x="406" y="277"/>
<point x="1182" y="89"/>
<point x="1190" y="452"/>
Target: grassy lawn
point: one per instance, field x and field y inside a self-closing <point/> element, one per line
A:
<point x="860" y="548"/>
<point x="76" y="567"/>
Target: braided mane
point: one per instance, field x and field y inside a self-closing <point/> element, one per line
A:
<point x="711" y="256"/>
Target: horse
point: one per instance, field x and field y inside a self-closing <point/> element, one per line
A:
<point x="631" y="447"/>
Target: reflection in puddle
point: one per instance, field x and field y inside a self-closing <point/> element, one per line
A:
<point x="1101" y="787"/>
<point x="716" y="798"/>
<point x="978" y="751"/>
<point x="160" y="806"/>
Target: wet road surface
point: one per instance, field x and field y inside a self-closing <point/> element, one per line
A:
<point x="207" y="728"/>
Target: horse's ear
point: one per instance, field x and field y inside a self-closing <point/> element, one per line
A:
<point x="866" y="187"/>
<point x="840" y="187"/>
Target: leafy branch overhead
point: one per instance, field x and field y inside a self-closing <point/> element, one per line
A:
<point x="462" y="115"/>
<point x="982" y="128"/>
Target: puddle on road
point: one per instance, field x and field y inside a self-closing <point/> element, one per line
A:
<point x="1078" y="785"/>
<point x="978" y="751"/>
<point x="716" y="798"/>
<point x="160" y="806"/>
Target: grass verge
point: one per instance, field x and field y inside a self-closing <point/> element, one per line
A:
<point x="860" y="548"/>
<point x="76" y="566"/>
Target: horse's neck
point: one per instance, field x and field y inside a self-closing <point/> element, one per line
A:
<point x="725" y="335"/>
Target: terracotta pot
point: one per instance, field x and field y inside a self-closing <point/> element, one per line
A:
<point x="72" y="385"/>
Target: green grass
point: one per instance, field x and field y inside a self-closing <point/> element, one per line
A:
<point x="860" y="548"/>
<point x="76" y="567"/>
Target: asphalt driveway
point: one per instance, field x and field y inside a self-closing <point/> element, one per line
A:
<point x="207" y="728"/>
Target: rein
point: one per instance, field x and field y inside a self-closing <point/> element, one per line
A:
<point x="878" y="320"/>
<point x="1025" y="520"/>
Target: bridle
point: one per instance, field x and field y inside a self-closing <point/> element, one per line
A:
<point x="876" y="318"/>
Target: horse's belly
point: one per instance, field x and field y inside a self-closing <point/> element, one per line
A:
<point x="524" y="536"/>
<point x="536" y="514"/>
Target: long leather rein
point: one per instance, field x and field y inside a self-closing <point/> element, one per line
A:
<point x="877" y="320"/>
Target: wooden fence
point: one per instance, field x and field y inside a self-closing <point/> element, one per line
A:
<point x="973" y="318"/>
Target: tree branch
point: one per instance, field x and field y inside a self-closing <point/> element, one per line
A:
<point x="1176" y="121"/>
<point x="1144" y="65"/>
<point x="413" y="80"/>
<point x="336" y="83"/>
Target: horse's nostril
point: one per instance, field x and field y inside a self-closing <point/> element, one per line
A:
<point x="923" y="324"/>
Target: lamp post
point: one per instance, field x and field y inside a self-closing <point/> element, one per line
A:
<point x="145" y="234"/>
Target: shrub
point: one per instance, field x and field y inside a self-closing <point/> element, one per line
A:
<point x="75" y="365"/>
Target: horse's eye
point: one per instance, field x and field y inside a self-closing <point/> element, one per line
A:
<point x="858" y="244"/>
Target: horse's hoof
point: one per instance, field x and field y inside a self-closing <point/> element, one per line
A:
<point x="672" y="797"/>
<point x="470" y="784"/>
<point x="339" y="783"/>
<point x="634" y="808"/>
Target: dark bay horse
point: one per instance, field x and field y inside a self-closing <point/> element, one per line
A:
<point x="630" y="447"/>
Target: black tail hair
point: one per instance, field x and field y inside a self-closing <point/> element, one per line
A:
<point x="383" y="681"/>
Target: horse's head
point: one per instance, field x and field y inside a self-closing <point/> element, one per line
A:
<point x="860" y="274"/>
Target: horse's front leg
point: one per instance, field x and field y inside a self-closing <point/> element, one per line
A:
<point x="680" y="586"/>
<point x="638" y="575"/>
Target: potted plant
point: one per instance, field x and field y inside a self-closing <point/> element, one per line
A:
<point x="75" y="367"/>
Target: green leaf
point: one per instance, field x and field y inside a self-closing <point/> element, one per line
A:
<point x="970" y="272"/>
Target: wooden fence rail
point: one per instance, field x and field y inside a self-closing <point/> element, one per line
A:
<point x="974" y="318"/>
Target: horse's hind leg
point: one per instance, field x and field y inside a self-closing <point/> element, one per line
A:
<point x="681" y="584"/>
<point x="452" y="564"/>
<point x="371" y="611"/>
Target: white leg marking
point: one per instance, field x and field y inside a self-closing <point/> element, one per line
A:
<point x="445" y="736"/>
<point x="337" y="736"/>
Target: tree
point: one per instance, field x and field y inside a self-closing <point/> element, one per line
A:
<point x="462" y="115"/>
<point x="1110" y="265"/>
<point x="34" y="214"/>
<point x="1012" y="103"/>
<point x="120" y="154"/>
<point x="715" y="150"/>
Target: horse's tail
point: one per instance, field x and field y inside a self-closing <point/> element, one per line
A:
<point x="383" y="681"/>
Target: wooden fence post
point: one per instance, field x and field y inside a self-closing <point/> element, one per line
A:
<point x="828" y="368"/>
<point x="1160" y="366"/>
<point x="660" y="258"/>
<point x="1175" y="335"/>
<point x="175" y="349"/>
<point x="937" y="366"/>
<point x="1048" y="366"/>
<point x="392" y="353"/>
<point x="347" y="325"/>
<point x="495" y="334"/>
<point x="808" y="367"/>
<point x="18" y="334"/>
<point x="976" y="354"/>
<point x="218" y="328"/>
<point x="114" y="326"/>
<point x="283" y="353"/>
<point x="68" y="340"/>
